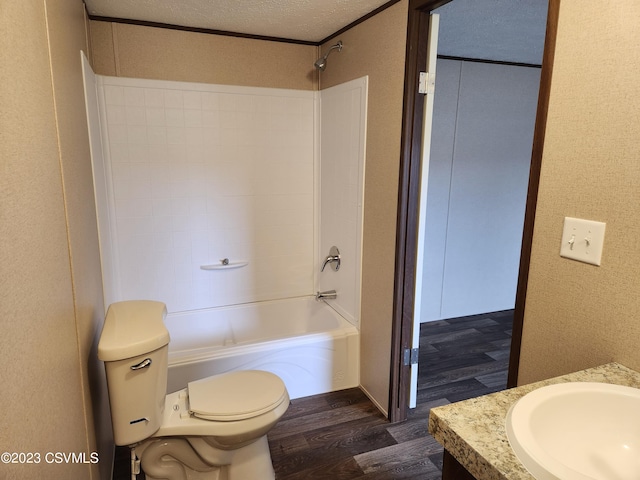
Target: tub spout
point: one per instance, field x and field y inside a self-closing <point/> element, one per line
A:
<point x="328" y="295"/>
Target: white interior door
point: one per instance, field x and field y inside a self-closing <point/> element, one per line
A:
<point x="427" y="87"/>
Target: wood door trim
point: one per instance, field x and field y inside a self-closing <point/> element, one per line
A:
<point x="408" y="197"/>
<point x="553" y="13"/>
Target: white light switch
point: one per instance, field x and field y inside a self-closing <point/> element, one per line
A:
<point x="582" y="240"/>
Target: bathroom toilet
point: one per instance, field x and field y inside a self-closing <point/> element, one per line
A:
<point x="215" y="429"/>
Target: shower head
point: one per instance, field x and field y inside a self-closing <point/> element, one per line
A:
<point x="321" y="63"/>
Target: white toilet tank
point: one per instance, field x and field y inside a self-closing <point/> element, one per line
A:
<point x="134" y="348"/>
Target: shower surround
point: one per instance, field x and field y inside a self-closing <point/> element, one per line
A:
<point x="202" y="173"/>
<point x="214" y="196"/>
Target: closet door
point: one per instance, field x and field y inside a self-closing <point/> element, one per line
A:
<point x="441" y="161"/>
<point x="492" y="153"/>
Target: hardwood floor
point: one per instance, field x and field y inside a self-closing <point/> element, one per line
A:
<point x="342" y="435"/>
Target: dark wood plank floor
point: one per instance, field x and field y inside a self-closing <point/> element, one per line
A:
<point x="342" y="435"/>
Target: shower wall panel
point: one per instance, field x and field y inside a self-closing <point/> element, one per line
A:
<point x="199" y="173"/>
<point x="342" y="149"/>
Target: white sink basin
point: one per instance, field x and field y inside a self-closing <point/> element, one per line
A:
<point x="578" y="431"/>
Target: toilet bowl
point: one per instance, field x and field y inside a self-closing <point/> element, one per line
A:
<point x="226" y="432"/>
<point x="215" y="429"/>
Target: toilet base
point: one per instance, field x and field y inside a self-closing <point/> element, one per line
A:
<point x="192" y="458"/>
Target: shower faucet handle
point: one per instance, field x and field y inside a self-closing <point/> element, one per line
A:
<point x="333" y="258"/>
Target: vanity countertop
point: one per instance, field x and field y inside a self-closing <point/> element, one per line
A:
<point x="473" y="431"/>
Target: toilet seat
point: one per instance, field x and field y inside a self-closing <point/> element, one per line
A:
<point x="235" y="396"/>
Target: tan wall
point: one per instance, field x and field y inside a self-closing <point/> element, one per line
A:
<point x="376" y="48"/>
<point x="51" y="307"/>
<point x="156" y="53"/>
<point x="578" y="315"/>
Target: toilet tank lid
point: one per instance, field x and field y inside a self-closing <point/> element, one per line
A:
<point x="132" y="328"/>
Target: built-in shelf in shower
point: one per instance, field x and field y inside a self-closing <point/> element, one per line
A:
<point x="224" y="266"/>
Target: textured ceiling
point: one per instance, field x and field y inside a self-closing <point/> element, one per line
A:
<point x="306" y="20"/>
<point x="504" y="30"/>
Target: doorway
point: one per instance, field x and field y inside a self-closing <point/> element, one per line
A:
<point x="409" y="192"/>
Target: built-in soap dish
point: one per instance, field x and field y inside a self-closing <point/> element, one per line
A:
<point x="224" y="264"/>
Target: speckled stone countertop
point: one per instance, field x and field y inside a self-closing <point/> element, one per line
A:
<point x="473" y="431"/>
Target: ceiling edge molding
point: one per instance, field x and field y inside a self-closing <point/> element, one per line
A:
<point x="373" y="13"/>
<point x="209" y="31"/>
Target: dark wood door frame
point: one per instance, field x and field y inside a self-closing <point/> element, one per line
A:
<point x="409" y="191"/>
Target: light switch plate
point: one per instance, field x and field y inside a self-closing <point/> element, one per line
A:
<point x="582" y="240"/>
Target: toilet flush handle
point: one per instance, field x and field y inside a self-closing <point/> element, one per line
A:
<point x="143" y="364"/>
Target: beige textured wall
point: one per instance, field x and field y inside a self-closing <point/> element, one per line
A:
<point x="578" y="315"/>
<point x="376" y="48"/>
<point x="51" y="286"/>
<point x="68" y="34"/>
<point x="146" y="52"/>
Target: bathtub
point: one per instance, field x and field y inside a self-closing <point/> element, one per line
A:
<point x="303" y="341"/>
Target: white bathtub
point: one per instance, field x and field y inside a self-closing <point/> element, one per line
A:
<point x="305" y="342"/>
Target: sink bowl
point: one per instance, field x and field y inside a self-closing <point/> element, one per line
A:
<point x="578" y="431"/>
